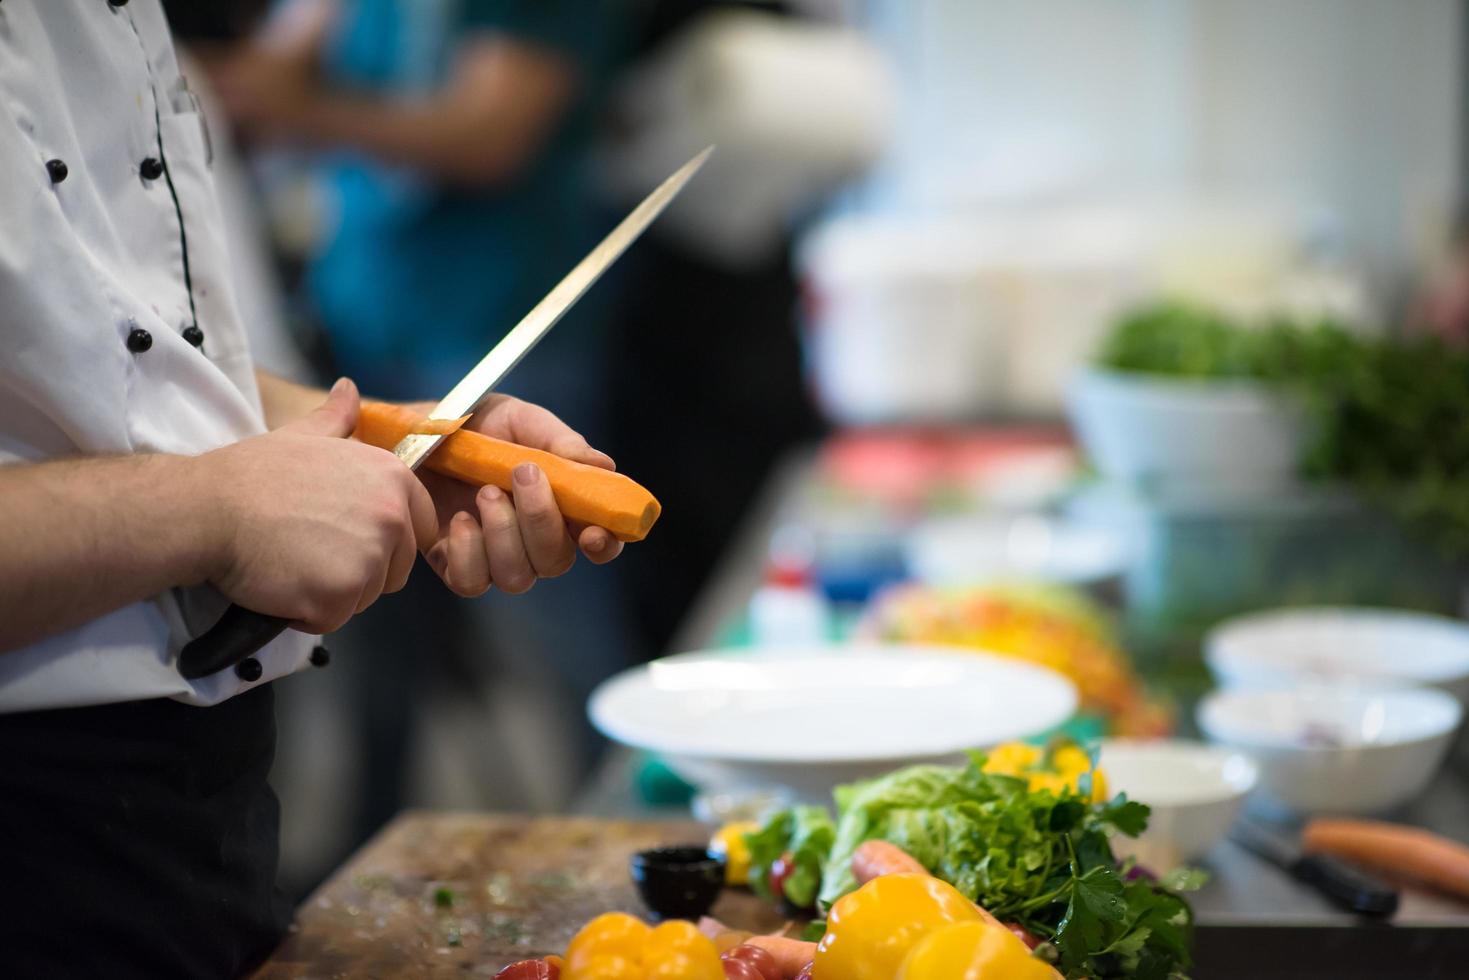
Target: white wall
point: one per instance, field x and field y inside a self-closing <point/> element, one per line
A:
<point x="1348" y="110"/>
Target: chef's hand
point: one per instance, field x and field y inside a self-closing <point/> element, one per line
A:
<point x="314" y="526"/>
<point x="490" y="538"/>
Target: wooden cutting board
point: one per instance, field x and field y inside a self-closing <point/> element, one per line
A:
<point x="520" y="888"/>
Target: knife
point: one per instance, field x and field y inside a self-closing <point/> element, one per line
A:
<point x="241" y="632"/>
<point x="1344" y="885"/>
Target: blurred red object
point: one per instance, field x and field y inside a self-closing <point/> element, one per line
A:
<point x="905" y="466"/>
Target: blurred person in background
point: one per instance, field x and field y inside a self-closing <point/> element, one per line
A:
<point x="704" y="408"/>
<point x="452" y="138"/>
<point x="259" y="292"/>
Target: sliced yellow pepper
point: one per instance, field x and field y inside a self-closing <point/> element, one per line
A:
<point x="729" y="843"/>
<point x="870" y="931"/>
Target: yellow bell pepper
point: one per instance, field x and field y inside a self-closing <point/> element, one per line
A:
<point x="616" y="946"/>
<point x="1062" y="773"/>
<point x="679" y="951"/>
<point x="614" y="934"/>
<point x="871" y="930"/>
<point x="1012" y="758"/>
<point x="729" y="843"/>
<point x="972" y="951"/>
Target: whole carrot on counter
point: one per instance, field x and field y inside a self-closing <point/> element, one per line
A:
<point x="583" y="493"/>
<point x="1407" y="851"/>
<point x="875" y="858"/>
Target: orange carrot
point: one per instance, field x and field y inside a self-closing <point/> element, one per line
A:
<point x="584" y="493"/>
<point x="875" y="858"/>
<point x="791" y="955"/>
<point x="1407" y="851"/>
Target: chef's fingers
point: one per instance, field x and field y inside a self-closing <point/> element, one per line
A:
<point x="598" y="544"/>
<point x="438" y="557"/>
<point x="536" y="427"/>
<point x="467" y="566"/>
<point x="510" y="567"/>
<point x="335" y="417"/>
<point x="400" y="562"/>
<point x="370" y="593"/>
<point x="450" y="496"/>
<point x="422" y="514"/>
<point x="542" y="527"/>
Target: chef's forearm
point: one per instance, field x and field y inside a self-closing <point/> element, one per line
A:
<point x="81" y="538"/>
<point x="285" y="401"/>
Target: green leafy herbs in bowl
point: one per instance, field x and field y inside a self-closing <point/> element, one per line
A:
<point x="1389" y="416"/>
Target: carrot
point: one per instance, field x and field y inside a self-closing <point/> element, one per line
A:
<point x="584" y="493"/>
<point x="875" y="858"/>
<point x="1407" y="851"/>
<point x="791" y="955"/>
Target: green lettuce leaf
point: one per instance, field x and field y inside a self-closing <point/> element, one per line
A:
<point x="807" y="833"/>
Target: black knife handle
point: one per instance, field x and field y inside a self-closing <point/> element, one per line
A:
<point x="1346" y="887"/>
<point x="238" y="634"/>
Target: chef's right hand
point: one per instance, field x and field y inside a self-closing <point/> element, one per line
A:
<point x="314" y="526"/>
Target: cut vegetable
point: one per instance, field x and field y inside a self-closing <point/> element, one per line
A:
<point x="584" y="493"/>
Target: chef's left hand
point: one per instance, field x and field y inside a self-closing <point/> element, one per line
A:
<point x="488" y="537"/>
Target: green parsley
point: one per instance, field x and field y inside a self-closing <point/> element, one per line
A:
<point x="1032" y="858"/>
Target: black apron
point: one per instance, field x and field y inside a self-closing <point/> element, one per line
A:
<point x="139" y="840"/>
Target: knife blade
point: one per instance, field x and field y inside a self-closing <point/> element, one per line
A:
<point x="241" y="632"/>
<point x="1344" y="885"/>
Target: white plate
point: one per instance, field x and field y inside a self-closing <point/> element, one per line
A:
<point x="806" y="718"/>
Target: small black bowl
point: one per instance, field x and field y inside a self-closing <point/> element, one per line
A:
<point x="678" y="882"/>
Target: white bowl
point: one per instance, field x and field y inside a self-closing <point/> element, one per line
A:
<point x="984" y="548"/>
<point x="1336" y="750"/>
<point x="809" y="718"/>
<point x="1195" y="792"/>
<point x="1288" y="647"/>
<point x="1228" y="435"/>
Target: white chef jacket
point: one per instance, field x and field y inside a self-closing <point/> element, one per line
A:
<point x="119" y="325"/>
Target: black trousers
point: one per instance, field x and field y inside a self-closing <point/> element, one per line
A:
<point x="139" y="840"/>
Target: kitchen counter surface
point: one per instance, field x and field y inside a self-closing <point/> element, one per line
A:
<point x="439" y="895"/>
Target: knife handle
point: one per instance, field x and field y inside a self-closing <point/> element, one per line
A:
<point x="1346" y="887"/>
<point x="239" y="633"/>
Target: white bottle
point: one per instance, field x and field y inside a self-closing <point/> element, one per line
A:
<point x="788" y="610"/>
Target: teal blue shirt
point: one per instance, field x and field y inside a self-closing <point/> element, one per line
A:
<point x="423" y="278"/>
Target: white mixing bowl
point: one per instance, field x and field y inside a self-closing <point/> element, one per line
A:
<point x="1288" y="647"/>
<point x="1336" y="750"/>
<point x="1195" y="792"/>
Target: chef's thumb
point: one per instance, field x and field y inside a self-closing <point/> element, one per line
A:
<point x="337" y="416"/>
